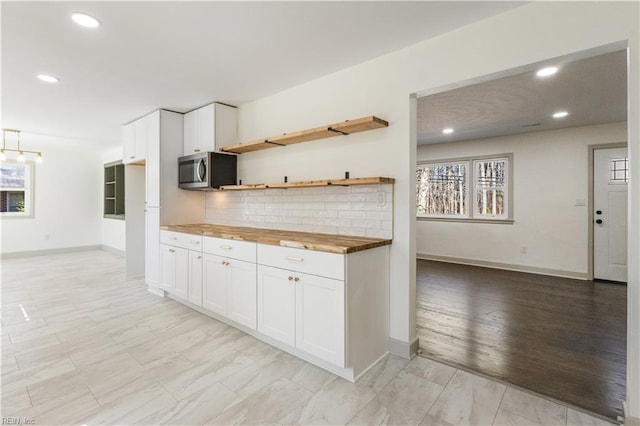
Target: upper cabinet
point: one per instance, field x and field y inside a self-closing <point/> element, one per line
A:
<point x="134" y="140"/>
<point x="210" y="128"/>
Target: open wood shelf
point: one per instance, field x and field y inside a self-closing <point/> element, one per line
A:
<point x="328" y="131"/>
<point x="311" y="184"/>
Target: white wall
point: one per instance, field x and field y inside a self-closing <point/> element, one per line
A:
<point x="113" y="230"/>
<point x="383" y="87"/>
<point x="550" y="171"/>
<point x="67" y="205"/>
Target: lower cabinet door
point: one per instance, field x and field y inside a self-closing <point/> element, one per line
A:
<point x="277" y="304"/>
<point x="195" y="277"/>
<point x="242" y="292"/>
<point x="181" y="288"/>
<point x="214" y="284"/>
<point x="167" y="268"/>
<point x="320" y="317"/>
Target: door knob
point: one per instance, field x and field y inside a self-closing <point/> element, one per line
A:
<point x="598" y="211"/>
<point x="599" y="221"/>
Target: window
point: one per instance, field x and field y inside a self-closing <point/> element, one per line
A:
<point x="16" y="189"/>
<point x="619" y="170"/>
<point x="468" y="189"/>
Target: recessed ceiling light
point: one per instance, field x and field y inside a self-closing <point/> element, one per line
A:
<point x="546" y="72"/>
<point x="48" y="78"/>
<point x="85" y="20"/>
<point x="447" y="131"/>
<point x="560" y="114"/>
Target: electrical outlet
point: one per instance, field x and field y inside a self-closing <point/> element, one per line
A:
<point x="523" y="249"/>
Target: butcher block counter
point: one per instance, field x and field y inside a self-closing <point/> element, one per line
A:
<point x="341" y="244"/>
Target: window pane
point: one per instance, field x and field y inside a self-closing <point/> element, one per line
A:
<point x="490" y="178"/>
<point x="442" y="189"/>
<point x="619" y="170"/>
<point x="12" y="201"/>
<point x="12" y="175"/>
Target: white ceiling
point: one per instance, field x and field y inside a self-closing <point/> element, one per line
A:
<point x="149" y="55"/>
<point x="592" y="90"/>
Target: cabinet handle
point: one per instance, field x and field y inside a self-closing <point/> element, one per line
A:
<point x="223" y="262"/>
<point x="196" y="150"/>
<point x="172" y="251"/>
<point x="199" y="257"/>
<point x="195" y="242"/>
<point x="132" y="157"/>
<point x="173" y="238"/>
<point x="296" y="279"/>
<point x="226" y="247"/>
<point x="290" y="278"/>
<point x="294" y="259"/>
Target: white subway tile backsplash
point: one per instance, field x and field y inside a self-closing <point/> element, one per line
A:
<point x="365" y="210"/>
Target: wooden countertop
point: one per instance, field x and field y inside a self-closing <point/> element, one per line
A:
<point x="341" y="244"/>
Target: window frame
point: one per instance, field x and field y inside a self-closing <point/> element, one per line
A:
<point x="29" y="192"/>
<point x="471" y="195"/>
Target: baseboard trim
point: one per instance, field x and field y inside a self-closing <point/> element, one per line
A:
<point x="113" y="250"/>
<point x="47" y="252"/>
<point x="506" y="266"/>
<point x="628" y="420"/>
<point x="156" y="291"/>
<point x="402" y="349"/>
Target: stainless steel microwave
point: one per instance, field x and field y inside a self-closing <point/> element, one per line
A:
<point x="207" y="170"/>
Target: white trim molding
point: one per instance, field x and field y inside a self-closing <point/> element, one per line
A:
<point x="47" y="252"/>
<point x="506" y="266"/>
<point x="156" y="291"/>
<point x="402" y="349"/>
<point x="113" y="250"/>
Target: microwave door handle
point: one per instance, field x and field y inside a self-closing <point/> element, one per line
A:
<point x="202" y="170"/>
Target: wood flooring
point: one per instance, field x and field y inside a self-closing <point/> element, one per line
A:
<point x="559" y="337"/>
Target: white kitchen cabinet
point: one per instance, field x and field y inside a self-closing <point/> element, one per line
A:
<point x="134" y="139"/>
<point x="174" y="263"/>
<point x="229" y="287"/>
<point x="277" y="304"/>
<point x="152" y="247"/>
<point x="152" y="162"/>
<point x="210" y="127"/>
<point x="128" y="143"/>
<point x="195" y="277"/>
<point x="214" y="283"/>
<point x="320" y="324"/>
<point x="304" y="311"/>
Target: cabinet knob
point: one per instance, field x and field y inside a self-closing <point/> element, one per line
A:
<point x="132" y="157"/>
<point x="199" y="257"/>
<point x="290" y="278"/>
<point x="172" y="251"/>
<point x="196" y="150"/>
<point x="296" y="279"/>
<point x="223" y="262"/>
<point x="195" y="242"/>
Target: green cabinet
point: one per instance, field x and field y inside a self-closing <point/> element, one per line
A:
<point x="114" y="190"/>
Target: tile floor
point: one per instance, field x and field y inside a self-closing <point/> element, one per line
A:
<point x="82" y="345"/>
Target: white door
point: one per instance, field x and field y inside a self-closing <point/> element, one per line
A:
<point x="182" y="273"/>
<point x="320" y="317"/>
<point x="277" y="304"/>
<point x="610" y="181"/>
<point x="195" y="277"/>
<point x="242" y="292"/>
<point x="214" y="284"/>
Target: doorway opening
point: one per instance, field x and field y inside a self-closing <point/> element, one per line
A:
<point x="505" y="228"/>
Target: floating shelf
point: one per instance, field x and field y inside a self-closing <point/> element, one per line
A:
<point x="343" y="128"/>
<point x="311" y="184"/>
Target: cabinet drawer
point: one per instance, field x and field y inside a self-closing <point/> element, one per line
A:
<point x="179" y="239"/>
<point x="234" y="249"/>
<point x="311" y="262"/>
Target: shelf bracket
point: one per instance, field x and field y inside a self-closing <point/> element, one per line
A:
<point x="331" y="129"/>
